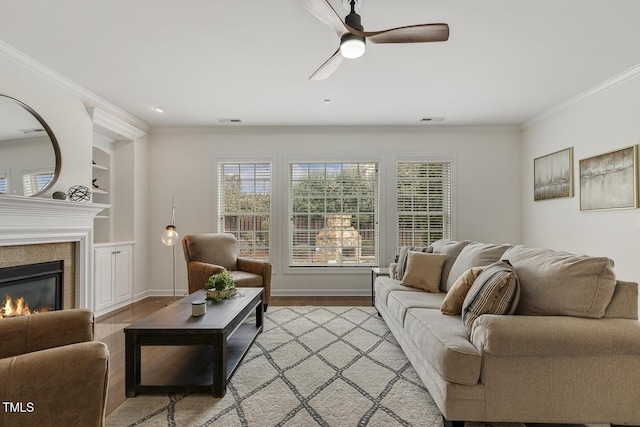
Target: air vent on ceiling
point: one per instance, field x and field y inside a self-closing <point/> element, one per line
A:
<point x="431" y="119"/>
<point x="230" y="121"/>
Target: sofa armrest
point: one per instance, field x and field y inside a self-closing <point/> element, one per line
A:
<point x="63" y="386"/>
<point x="199" y="272"/>
<point x="25" y="334"/>
<point x="554" y="336"/>
<point x="261" y="268"/>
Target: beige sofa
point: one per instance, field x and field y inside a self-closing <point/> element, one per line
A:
<point x="569" y="354"/>
<point x="52" y="373"/>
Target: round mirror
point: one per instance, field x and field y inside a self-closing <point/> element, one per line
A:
<point x="29" y="152"/>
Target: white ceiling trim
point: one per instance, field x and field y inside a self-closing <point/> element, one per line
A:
<point x="620" y="79"/>
<point x="89" y="98"/>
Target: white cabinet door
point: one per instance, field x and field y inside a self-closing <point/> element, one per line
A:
<point x="113" y="274"/>
<point x="123" y="273"/>
<point x="103" y="274"/>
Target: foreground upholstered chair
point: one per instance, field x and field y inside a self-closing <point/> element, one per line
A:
<point x="51" y="372"/>
<point x="211" y="253"/>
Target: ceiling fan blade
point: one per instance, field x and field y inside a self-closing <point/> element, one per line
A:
<point x="411" y="34"/>
<point x="323" y="10"/>
<point x="328" y="67"/>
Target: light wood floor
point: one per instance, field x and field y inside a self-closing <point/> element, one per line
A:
<point x="138" y="310"/>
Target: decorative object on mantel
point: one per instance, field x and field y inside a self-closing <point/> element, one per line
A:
<point x="79" y="193"/>
<point x="93" y="183"/>
<point x="170" y="237"/>
<point x="610" y="180"/>
<point x="553" y="175"/>
<point x="220" y="286"/>
<point x="59" y="195"/>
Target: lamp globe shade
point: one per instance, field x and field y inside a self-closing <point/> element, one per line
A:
<point x="170" y="235"/>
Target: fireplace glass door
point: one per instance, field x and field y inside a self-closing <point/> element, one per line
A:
<point x="32" y="288"/>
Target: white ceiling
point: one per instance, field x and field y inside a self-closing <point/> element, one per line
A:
<point x="506" y="61"/>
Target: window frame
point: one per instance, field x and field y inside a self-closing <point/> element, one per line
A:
<point x="288" y="268"/>
<point x="219" y="199"/>
<point x="420" y="158"/>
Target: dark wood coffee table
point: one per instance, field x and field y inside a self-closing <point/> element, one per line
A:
<point x="212" y="345"/>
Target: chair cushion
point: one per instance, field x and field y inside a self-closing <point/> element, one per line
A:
<point x="444" y="343"/>
<point x="556" y="283"/>
<point x="475" y="254"/>
<point x="400" y="302"/>
<point x="495" y="291"/>
<point x="451" y="249"/>
<point x="385" y="285"/>
<point x="212" y="248"/>
<point x="246" y="279"/>
<point x="423" y="271"/>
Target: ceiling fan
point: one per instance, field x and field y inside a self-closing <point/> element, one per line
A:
<point x="353" y="37"/>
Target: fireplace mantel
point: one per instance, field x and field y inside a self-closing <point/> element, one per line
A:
<point x="33" y="220"/>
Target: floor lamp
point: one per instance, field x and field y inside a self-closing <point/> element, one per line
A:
<point x="170" y="238"/>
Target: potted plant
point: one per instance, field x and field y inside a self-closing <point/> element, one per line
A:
<point x="220" y="286"/>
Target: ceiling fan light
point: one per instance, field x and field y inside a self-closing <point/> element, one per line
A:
<point x="352" y="46"/>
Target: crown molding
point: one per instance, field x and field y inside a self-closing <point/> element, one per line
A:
<point x="89" y="98"/>
<point x="611" y="83"/>
<point x="111" y="126"/>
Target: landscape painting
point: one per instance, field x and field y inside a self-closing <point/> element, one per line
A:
<point x="553" y="175"/>
<point x="609" y="181"/>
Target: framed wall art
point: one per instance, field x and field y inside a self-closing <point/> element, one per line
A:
<point x="610" y="180"/>
<point x="553" y="175"/>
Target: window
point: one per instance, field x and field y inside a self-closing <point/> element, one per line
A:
<point x="423" y="202"/>
<point x="244" y="206"/>
<point x="34" y="182"/>
<point x="333" y="214"/>
<point x="3" y="184"/>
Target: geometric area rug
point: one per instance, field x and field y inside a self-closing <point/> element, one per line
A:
<point x="311" y="366"/>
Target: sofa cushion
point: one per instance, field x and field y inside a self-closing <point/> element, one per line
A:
<point x="385" y="285"/>
<point x="452" y="303"/>
<point x="495" y="291"/>
<point x="400" y="302"/>
<point x="403" y="255"/>
<point x="451" y="249"/>
<point x="475" y="254"/>
<point x="444" y="343"/>
<point x="562" y="284"/>
<point x="423" y="271"/>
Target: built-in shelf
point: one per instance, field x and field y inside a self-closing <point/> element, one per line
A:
<point x="100" y="167"/>
<point x="101" y="217"/>
<point x="99" y="191"/>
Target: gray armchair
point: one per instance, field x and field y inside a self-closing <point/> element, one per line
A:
<point x="211" y="253"/>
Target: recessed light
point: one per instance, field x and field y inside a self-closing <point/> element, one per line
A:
<point x="327" y="101"/>
<point x="159" y="109"/>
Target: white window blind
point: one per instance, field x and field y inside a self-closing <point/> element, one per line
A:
<point x="34" y="182"/>
<point x="423" y="202"/>
<point x="3" y="184"/>
<point x="244" y="206"/>
<point x="333" y="214"/>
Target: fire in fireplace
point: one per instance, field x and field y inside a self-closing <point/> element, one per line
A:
<point x="31" y="289"/>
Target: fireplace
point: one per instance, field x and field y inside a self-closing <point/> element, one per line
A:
<point x="31" y="288"/>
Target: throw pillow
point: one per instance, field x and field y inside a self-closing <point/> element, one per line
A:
<point x="495" y="291"/>
<point x="402" y="258"/>
<point x="451" y="249"/>
<point x="452" y="303"/>
<point x="475" y="254"/>
<point x="423" y="271"/>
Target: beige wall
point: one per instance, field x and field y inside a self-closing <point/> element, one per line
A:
<point x="605" y="121"/>
<point x="183" y="163"/>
